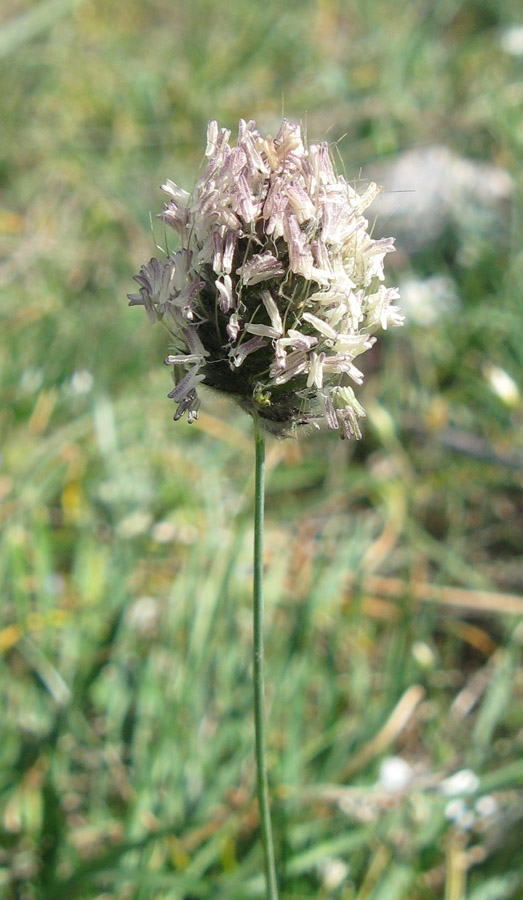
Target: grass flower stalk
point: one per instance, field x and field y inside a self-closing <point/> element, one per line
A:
<point x="258" y="668"/>
<point x="276" y="288"/>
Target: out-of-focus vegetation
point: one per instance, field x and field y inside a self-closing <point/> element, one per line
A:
<point x="394" y="649"/>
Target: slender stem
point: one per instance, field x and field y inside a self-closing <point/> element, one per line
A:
<point x="259" y="715"/>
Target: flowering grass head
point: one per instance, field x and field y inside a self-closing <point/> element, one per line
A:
<point x="277" y="285"/>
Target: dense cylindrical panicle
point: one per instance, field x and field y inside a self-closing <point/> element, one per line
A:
<point x="277" y="286"/>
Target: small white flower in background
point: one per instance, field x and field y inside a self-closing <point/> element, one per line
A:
<point x="455" y="809"/>
<point x="423" y="654"/>
<point x="165" y="532"/>
<point x="144" y="615"/>
<point x="277" y="286"/>
<point x="458" y="812"/>
<point x="31" y="380"/>
<point x="135" y="524"/>
<point x="486" y="806"/>
<point x="395" y="774"/>
<point x="81" y="382"/>
<point x="464" y="811"/>
<point x="463" y="782"/>
<point x="502" y="384"/>
<point x="333" y="872"/>
<point x="512" y="40"/>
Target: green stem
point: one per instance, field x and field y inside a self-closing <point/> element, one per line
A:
<point x="259" y="714"/>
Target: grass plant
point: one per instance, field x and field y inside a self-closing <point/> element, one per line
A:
<point x="393" y="593"/>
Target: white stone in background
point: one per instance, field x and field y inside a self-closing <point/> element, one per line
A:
<point x="429" y="299"/>
<point x="427" y="189"/>
<point x="395" y="774"/>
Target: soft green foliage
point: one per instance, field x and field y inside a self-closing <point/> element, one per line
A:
<point x="126" y="763"/>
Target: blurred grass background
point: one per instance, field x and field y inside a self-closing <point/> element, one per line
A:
<point x="393" y="642"/>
